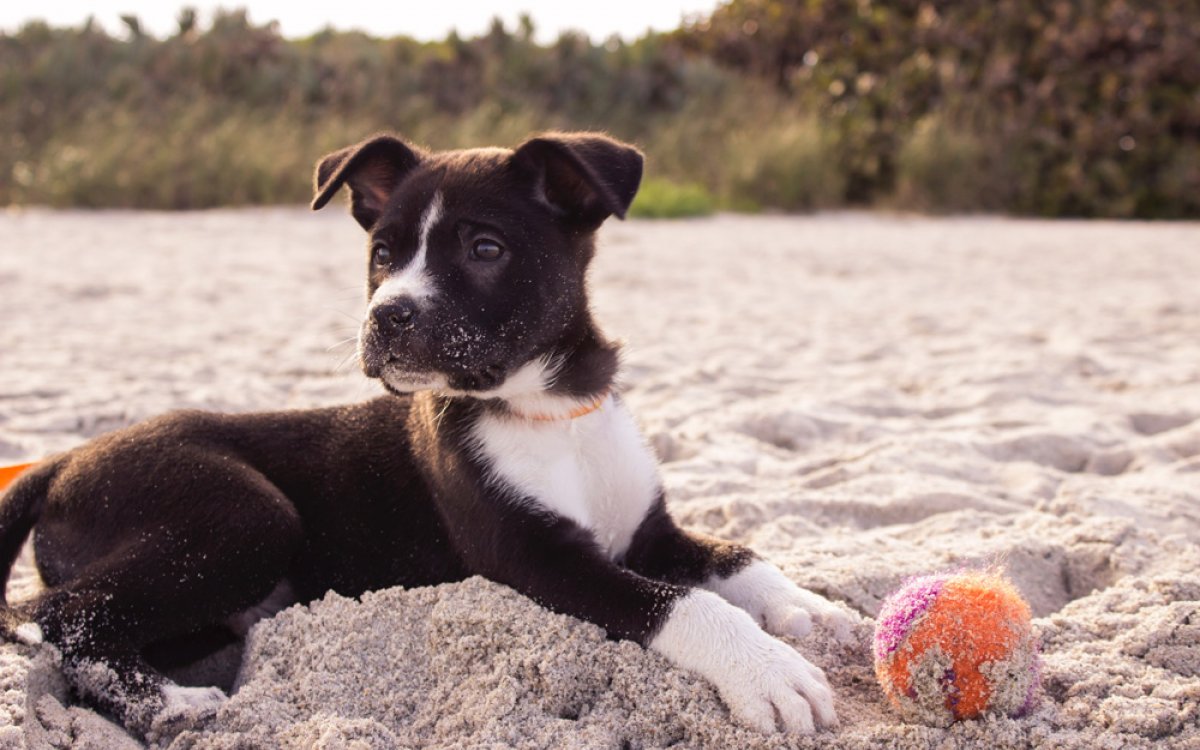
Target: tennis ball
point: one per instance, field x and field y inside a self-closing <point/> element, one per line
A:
<point x="957" y="646"/>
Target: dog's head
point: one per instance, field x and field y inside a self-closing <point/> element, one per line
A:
<point x="477" y="258"/>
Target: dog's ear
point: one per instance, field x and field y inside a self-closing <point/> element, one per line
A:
<point x="372" y="169"/>
<point x="584" y="176"/>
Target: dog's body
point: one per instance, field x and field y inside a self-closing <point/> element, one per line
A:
<point x="504" y="450"/>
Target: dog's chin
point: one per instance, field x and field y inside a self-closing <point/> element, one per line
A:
<point x="484" y="381"/>
<point x="404" y="381"/>
<point x="401" y="377"/>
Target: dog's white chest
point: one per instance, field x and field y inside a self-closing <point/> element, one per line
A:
<point x="596" y="469"/>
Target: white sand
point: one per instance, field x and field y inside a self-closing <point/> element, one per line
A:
<point x="859" y="398"/>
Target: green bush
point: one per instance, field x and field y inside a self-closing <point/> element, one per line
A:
<point x="941" y="169"/>
<point x="1062" y="109"/>
<point x="664" y="199"/>
<point x="792" y="166"/>
<point x="1083" y="108"/>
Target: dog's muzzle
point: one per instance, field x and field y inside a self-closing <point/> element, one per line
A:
<point x="395" y="317"/>
<point x="388" y="337"/>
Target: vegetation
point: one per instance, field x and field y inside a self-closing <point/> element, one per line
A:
<point x="1089" y="108"/>
<point x="663" y="199"/>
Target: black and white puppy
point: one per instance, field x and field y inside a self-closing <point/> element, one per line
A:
<point x="504" y="450"/>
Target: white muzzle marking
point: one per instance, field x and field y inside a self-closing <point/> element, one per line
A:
<point x="413" y="281"/>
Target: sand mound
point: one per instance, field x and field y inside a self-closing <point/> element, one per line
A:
<point x="859" y="398"/>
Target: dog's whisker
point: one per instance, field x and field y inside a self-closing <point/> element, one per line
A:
<point x="441" y="414"/>
<point x="346" y="361"/>
<point x="356" y="318"/>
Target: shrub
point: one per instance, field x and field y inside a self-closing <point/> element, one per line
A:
<point x="664" y="199"/>
<point x="792" y="166"/>
<point x="942" y="169"/>
<point x="1081" y="109"/>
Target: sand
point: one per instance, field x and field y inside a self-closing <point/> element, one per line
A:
<point x="860" y="398"/>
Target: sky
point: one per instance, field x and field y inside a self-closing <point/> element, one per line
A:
<point x="423" y="19"/>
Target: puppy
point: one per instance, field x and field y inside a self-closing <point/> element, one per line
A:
<point x="503" y="449"/>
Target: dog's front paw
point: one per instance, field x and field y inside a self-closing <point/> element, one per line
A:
<point x="765" y="683"/>
<point x="779" y="605"/>
<point x="782" y="688"/>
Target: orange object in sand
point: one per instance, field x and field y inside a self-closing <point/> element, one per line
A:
<point x="958" y="646"/>
<point x="9" y="473"/>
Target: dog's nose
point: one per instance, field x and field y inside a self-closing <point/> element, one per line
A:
<point x="394" y="316"/>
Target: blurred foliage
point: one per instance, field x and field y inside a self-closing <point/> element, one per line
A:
<point x="664" y="199"/>
<point x="1088" y="108"/>
<point x="944" y="170"/>
<point x="1080" y="107"/>
<point x="792" y="166"/>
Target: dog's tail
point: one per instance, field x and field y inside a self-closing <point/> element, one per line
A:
<point x="20" y="507"/>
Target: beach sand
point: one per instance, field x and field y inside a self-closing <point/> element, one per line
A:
<point x="860" y="398"/>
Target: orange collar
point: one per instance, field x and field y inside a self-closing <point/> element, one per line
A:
<point x="576" y="413"/>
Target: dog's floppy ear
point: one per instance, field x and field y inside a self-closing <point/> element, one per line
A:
<point x="372" y="169"/>
<point x="584" y="176"/>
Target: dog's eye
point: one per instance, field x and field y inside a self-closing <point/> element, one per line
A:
<point x="486" y="250"/>
<point x="380" y="255"/>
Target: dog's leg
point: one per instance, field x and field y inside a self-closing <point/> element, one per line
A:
<point x="193" y="570"/>
<point x="663" y="551"/>
<point x="111" y="675"/>
<point x="560" y="567"/>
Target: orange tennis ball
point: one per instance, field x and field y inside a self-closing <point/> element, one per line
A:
<point x="957" y="646"/>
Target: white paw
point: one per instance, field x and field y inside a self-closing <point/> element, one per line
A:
<point x="182" y="708"/>
<point x="779" y="605"/>
<point x="29" y="633"/>
<point x="781" y="688"/>
<point x="765" y="683"/>
<point x="192" y="701"/>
